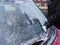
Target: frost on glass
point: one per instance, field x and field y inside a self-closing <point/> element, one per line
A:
<point x="14" y="28"/>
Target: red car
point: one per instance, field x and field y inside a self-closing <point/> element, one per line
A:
<point x="57" y="39"/>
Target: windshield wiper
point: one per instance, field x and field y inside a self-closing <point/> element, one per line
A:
<point x="38" y="43"/>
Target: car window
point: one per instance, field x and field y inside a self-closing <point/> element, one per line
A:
<point x="20" y="23"/>
<point x="33" y="11"/>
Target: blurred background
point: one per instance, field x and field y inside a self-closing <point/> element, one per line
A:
<point x="42" y="4"/>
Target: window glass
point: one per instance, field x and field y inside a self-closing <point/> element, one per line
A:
<point x="20" y="23"/>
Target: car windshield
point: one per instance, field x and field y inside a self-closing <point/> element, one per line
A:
<point x="20" y="23"/>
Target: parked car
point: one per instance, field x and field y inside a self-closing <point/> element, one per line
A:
<point x="23" y="24"/>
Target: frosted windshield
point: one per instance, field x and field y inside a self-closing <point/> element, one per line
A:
<point x="20" y="23"/>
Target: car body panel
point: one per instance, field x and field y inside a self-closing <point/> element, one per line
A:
<point x="57" y="39"/>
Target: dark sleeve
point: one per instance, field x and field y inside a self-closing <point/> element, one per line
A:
<point x="54" y="19"/>
<point x="56" y="16"/>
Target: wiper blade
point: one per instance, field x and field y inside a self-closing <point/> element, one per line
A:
<point x="38" y="43"/>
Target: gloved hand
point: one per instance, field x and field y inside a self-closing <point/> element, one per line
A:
<point x="50" y="22"/>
